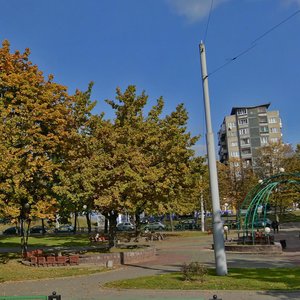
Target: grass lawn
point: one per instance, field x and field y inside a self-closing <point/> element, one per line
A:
<point x="15" y="271"/>
<point x="46" y="241"/>
<point x="237" y="279"/>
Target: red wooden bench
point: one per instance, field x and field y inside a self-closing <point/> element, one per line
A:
<point x="41" y="260"/>
<point x="50" y="261"/>
<point x="74" y="259"/>
<point x="61" y="260"/>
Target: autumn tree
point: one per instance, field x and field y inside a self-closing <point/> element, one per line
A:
<point x="272" y="160"/>
<point x="35" y="129"/>
<point x="235" y="181"/>
<point x="140" y="162"/>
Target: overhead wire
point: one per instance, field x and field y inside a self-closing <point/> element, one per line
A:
<point x="254" y="43"/>
<point x="208" y="20"/>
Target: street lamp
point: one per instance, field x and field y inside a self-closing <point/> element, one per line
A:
<point x="226" y="232"/>
<point x="267" y="232"/>
<point x="219" y="247"/>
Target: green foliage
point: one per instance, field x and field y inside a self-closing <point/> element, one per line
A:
<point x="194" y="271"/>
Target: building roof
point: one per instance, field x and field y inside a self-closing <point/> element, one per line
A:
<point x="234" y="109"/>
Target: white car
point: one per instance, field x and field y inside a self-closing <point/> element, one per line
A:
<point x="125" y="226"/>
<point x="155" y="226"/>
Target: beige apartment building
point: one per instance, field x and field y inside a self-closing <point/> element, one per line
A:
<point x="246" y="129"/>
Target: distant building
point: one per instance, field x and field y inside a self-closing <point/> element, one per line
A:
<point x="246" y="129"/>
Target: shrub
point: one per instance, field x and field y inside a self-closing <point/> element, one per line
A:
<point x="194" y="271"/>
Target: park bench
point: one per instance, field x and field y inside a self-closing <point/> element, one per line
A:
<point x="74" y="259"/>
<point x="39" y="258"/>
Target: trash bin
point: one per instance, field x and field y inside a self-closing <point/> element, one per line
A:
<point x="283" y="244"/>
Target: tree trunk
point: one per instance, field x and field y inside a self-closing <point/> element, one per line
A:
<point x="106" y="225"/>
<point x="24" y="236"/>
<point x="112" y="217"/>
<point x="43" y="227"/>
<point x="75" y="221"/>
<point x="171" y="221"/>
<point x="137" y="223"/>
<point x="88" y="222"/>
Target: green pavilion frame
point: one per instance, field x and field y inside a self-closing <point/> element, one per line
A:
<point x="255" y="203"/>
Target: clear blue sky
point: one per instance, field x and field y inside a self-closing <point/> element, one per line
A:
<point x="153" y="44"/>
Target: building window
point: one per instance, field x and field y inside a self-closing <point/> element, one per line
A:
<point x="230" y="125"/>
<point x="243" y="121"/>
<point x="274" y="140"/>
<point x="241" y="111"/>
<point x="245" y="141"/>
<point x="246" y="151"/>
<point x="264" y="129"/>
<point x="264" y="140"/>
<point x="234" y="144"/>
<point x="263" y="119"/>
<point x="231" y="133"/>
<point x="272" y="120"/>
<point x="274" y="130"/>
<point x="243" y="131"/>
<point x="234" y="154"/>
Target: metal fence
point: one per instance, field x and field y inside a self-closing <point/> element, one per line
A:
<point x="50" y="297"/>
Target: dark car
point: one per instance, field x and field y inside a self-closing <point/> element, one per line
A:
<point x="261" y="223"/>
<point x="38" y="230"/>
<point x="11" y="231"/>
<point x="189" y="224"/>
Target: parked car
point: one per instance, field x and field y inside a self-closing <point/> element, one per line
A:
<point x="64" y="229"/>
<point x="231" y="224"/>
<point x="38" y="230"/>
<point x="262" y="223"/>
<point x="125" y="226"/>
<point x="4" y="220"/>
<point x="189" y="224"/>
<point x="11" y="231"/>
<point x="155" y="226"/>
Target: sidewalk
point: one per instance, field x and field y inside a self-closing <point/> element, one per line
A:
<point x="171" y="254"/>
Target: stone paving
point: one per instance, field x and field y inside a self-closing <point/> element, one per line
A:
<point x="171" y="254"/>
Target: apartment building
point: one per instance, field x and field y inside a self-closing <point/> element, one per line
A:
<point x="246" y="129"/>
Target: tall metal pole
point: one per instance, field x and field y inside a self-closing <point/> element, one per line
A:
<point x="218" y="233"/>
<point x="202" y="205"/>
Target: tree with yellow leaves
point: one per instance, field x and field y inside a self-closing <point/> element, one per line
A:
<point x="36" y="130"/>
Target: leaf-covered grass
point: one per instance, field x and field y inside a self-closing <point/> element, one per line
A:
<point x="13" y="270"/>
<point x="237" y="279"/>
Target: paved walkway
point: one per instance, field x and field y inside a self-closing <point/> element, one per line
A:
<point x="171" y="254"/>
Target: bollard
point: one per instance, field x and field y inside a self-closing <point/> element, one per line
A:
<point x="54" y="296"/>
<point x="215" y="297"/>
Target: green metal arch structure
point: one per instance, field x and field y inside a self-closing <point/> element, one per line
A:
<point x="258" y="197"/>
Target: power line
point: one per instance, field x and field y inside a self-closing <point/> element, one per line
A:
<point x="208" y="20"/>
<point x="232" y="59"/>
<point x="253" y="43"/>
<point x="274" y="27"/>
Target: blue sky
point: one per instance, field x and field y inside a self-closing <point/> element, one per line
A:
<point x="153" y="44"/>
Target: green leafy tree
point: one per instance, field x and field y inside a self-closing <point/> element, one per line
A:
<point x="140" y="163"/>
<point x="74" y="195"/>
